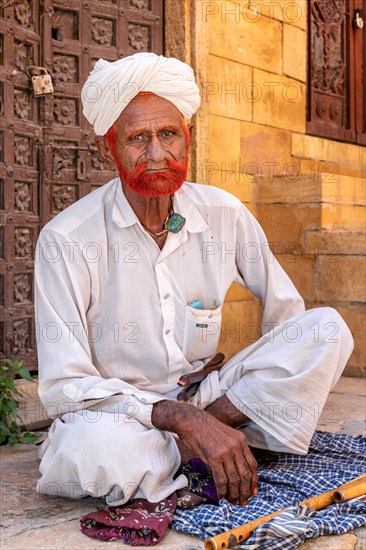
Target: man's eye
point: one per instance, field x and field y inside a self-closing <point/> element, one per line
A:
<point x="167" y="133"/>
<point x="138" y="137"/>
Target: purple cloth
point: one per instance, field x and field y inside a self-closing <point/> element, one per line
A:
<point x="201" y="487"/>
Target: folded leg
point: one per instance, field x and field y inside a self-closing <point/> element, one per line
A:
<point x="282" y="381"/>
<point x="108" y="454"/>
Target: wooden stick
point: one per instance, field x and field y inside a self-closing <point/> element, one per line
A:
<point x="352" y="489"/>
<point x="195" y="378"/>
<point x="188" y="391"/>
<point x="198" y="376"/>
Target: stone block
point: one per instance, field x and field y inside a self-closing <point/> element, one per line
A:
<point x="350" y="386"/>
<point x="341" y="201"/>
<point x="239" y="34"/>
<point x="279" y="101"/>
<point x="342" y="278"/>
<point x="357" y="372"/>
<point x="226" y="81"/>
<point x="302" y="189"/>
<point x="355" y="317"/>
<point x="241" y="326"/>
<point x="330" y="242"/>
<point x="65" y="533"/>
<point x="232" y="181"/>
<point x="301" y="270"/>
<point x="343" y="189"/>
<point x="31" y="414"/>
<point x="237" y="293"/>
<point x="294" y="52"/>
<point x="317" y="167"/>
<point x="292" y="13"/>
<point x="340" y="157"/>
<point x="305" y="189"/>
<point x="224" y="146"/>
<point x="327" y="216"/>
<point x="266" y="151"/>
<point x="347" y="215"/>
<point x="284" y="224"/>
<point x="343" y="414"/>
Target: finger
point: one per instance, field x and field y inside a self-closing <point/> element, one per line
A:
<point x="233" y="493"/>
<point x="234" y="479"/>
<point x="254" y="484"/>
<point x="253" y="466"/>
<point x="220" y="479"/>
<point x="245" y="476"/>
<point x="246" y="465"/>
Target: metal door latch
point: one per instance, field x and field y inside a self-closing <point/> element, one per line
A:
<point x="358" y="22"/>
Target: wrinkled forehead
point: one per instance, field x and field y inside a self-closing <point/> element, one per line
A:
<point x="148" y="110"/>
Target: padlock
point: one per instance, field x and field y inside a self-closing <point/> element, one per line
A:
<point x="42" y="83"/>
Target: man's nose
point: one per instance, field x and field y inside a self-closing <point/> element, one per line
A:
<point x="155" y="150"/>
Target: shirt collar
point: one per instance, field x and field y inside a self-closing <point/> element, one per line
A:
<point x="185" y="206"/>
<point x="124" y="216"/>
<point x="122" y="213"/>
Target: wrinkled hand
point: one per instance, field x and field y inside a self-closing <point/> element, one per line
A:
<point x="226" y="452"/>
<point x="224" y="449"/>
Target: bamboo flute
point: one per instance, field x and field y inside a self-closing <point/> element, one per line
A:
<point x="352" y="489"/>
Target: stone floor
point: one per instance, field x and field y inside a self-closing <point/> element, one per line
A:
<point x="35" y="522"/>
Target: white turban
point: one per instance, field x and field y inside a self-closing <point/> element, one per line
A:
<point x="112" y="85"/>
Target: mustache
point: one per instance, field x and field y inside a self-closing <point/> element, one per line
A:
<point x="154" y="184"/>
<point x="173" y="167"/>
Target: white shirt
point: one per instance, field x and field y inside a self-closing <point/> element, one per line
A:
<point x="111" y="307"/>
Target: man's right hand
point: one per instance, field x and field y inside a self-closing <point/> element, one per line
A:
<point x="224" y="449"/>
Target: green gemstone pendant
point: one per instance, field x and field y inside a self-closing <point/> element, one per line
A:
<point x="175" y="223"/>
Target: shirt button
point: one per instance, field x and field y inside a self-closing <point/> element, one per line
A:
<point x="167" y="331"/>
<point x="210" y="316"/>
<point x="166" y="296"/>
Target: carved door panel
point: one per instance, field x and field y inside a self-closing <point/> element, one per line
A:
<point x="21" y="132"/>
<point x="48" y="158"/>
<point x="336" y="74"/>
<point x="81" y="33"/>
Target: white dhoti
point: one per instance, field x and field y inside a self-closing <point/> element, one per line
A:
<point x="281" y="383"/>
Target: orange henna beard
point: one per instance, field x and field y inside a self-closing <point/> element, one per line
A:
<point x="156" y="184"/>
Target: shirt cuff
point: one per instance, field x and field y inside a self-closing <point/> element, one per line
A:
<point x="129" y="408"/>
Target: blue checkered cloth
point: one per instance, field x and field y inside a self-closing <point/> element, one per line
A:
<point x="332" y="460"/>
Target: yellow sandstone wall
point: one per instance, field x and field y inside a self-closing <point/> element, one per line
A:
<point x="307" y="192"/>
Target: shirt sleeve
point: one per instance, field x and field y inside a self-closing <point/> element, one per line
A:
<point x="260" y="272"/>
<point x="68" y="379"/>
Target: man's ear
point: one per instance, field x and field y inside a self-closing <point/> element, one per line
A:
<point x="105" y="152"/>
<point x="190" y="128"/>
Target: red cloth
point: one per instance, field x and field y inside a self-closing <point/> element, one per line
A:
<point x="137" y="522"/>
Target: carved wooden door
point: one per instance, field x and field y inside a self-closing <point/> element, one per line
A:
<point x="336" y="69"/>
<point x="47" y="154"/>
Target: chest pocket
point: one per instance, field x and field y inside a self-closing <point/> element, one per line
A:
<point x="202" y="329"/>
